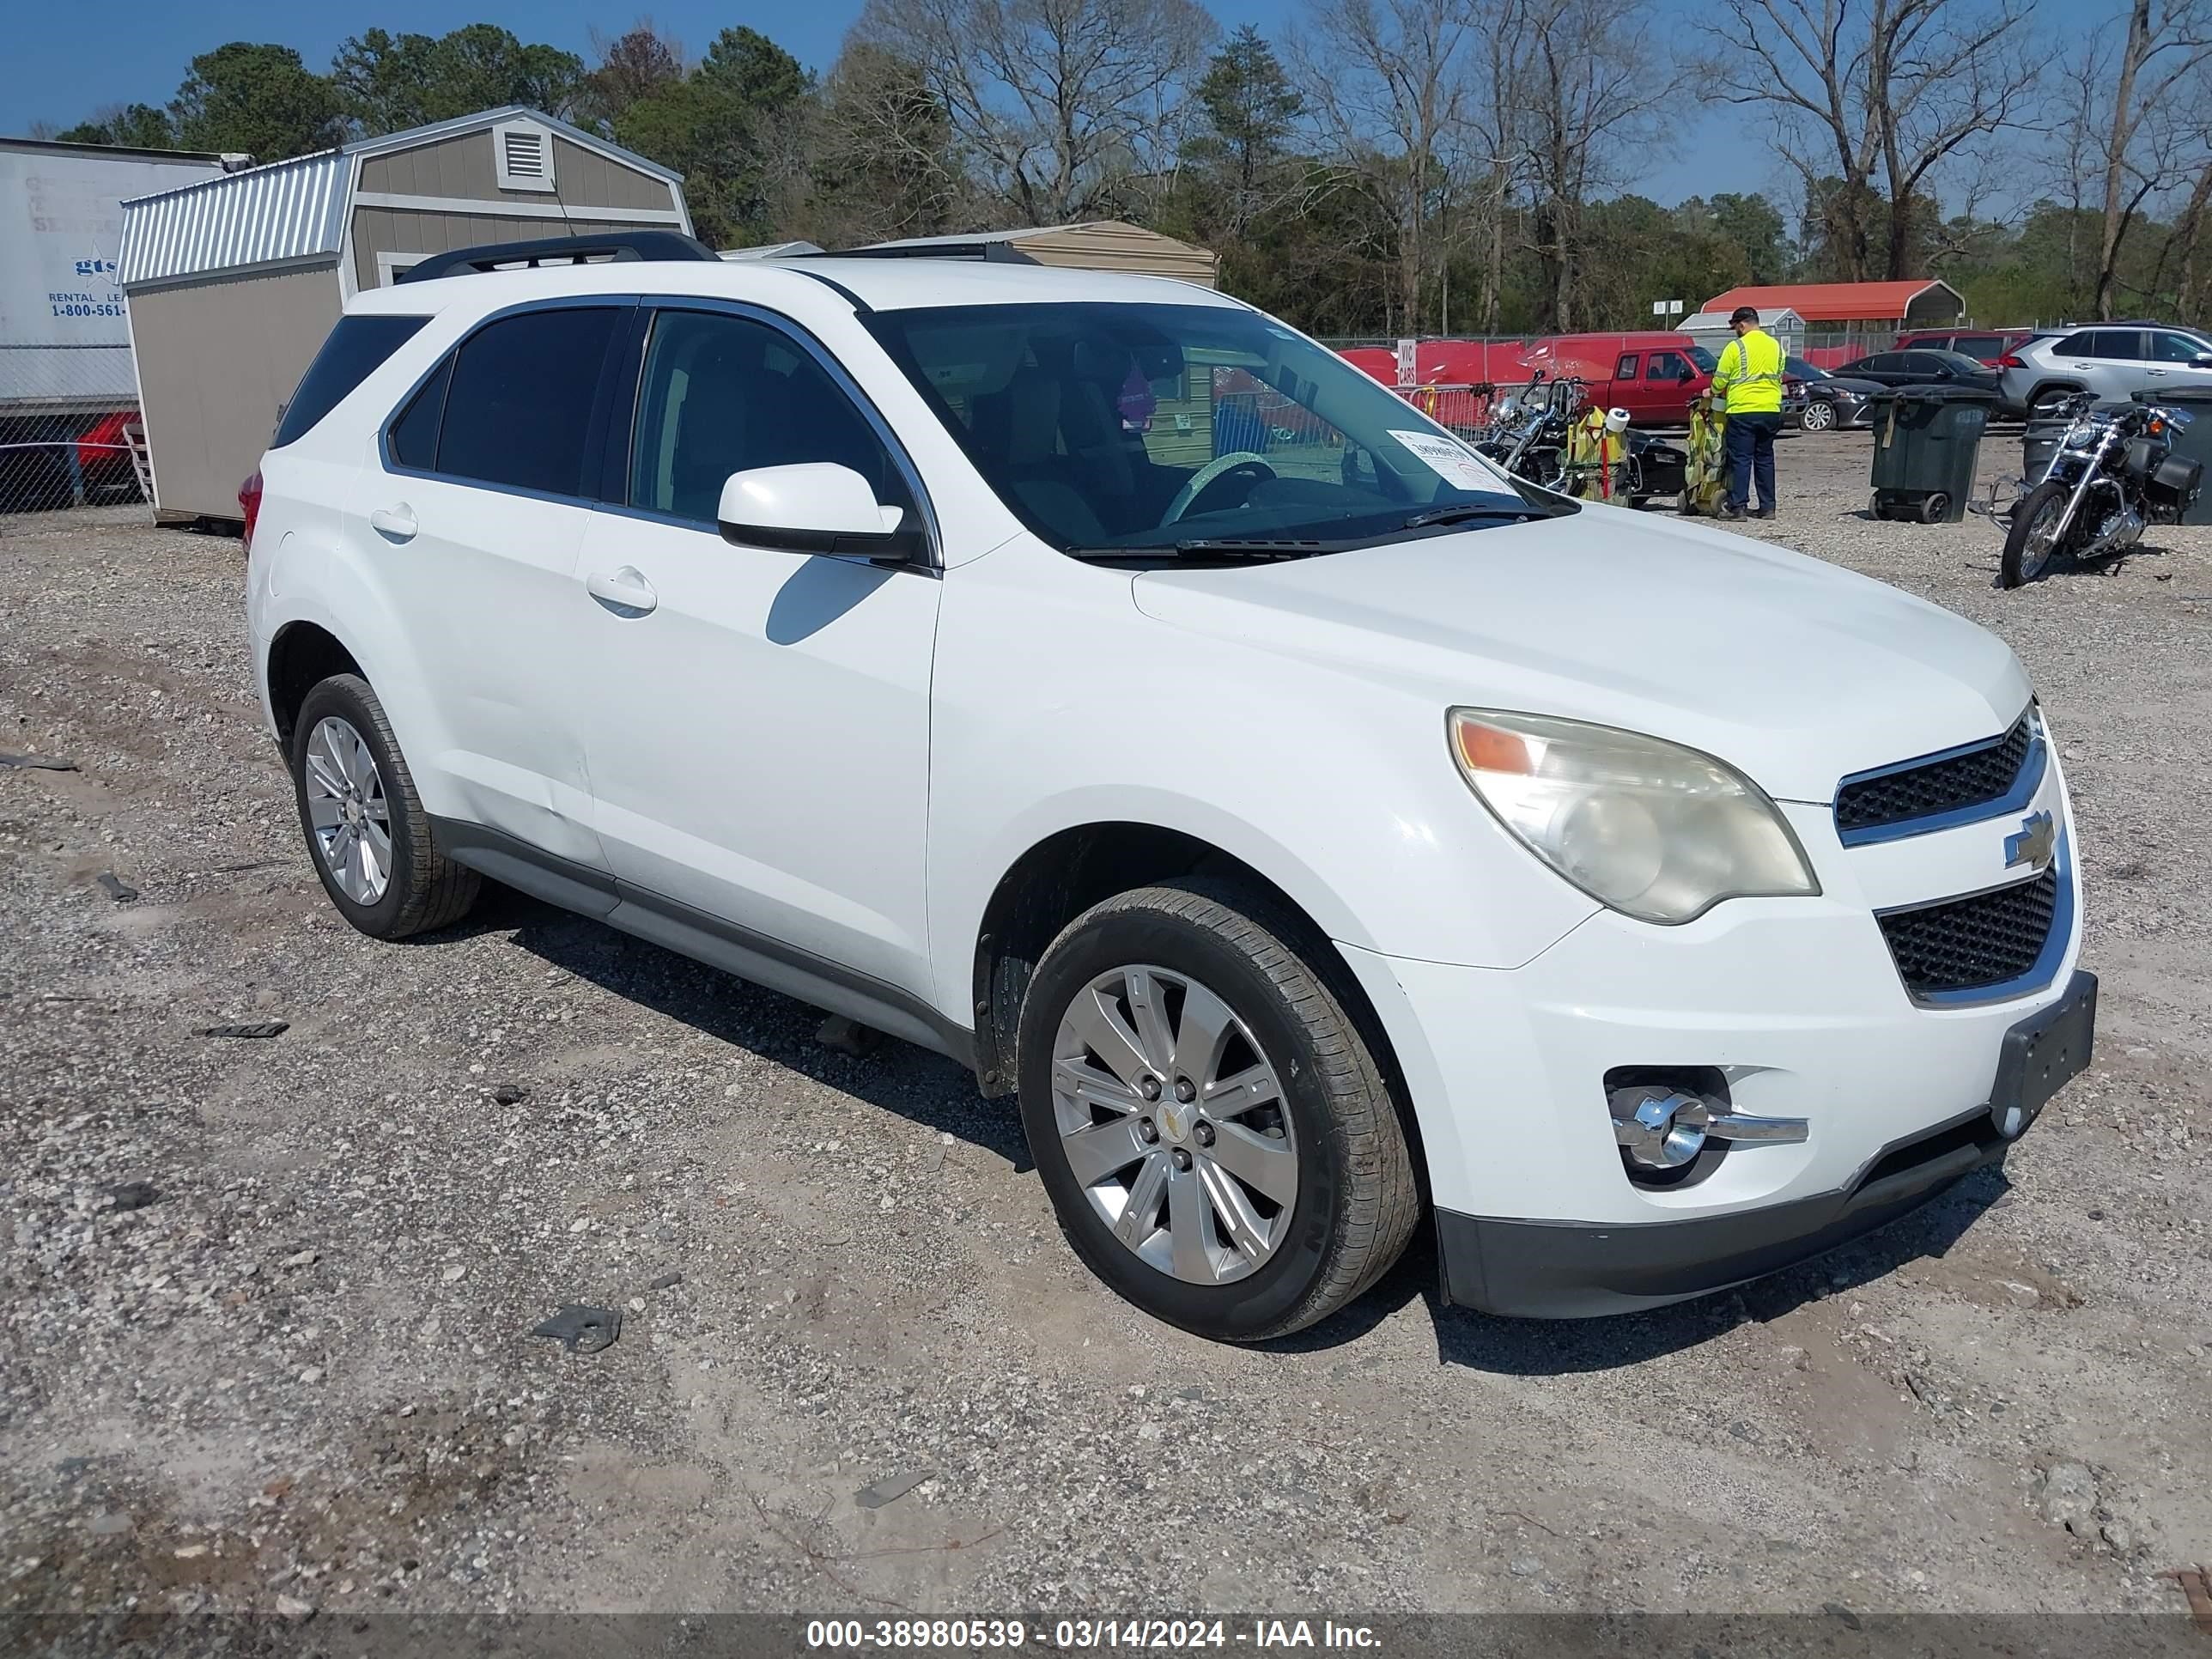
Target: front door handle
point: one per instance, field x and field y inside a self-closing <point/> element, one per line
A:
<point x="625" y="591"/>
<point x="396" y="523"/>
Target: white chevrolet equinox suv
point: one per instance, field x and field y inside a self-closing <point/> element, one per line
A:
<point x="1093" y="679"/>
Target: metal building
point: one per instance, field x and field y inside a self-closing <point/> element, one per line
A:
<point x="233" y="282"/>
<point x="1096" y="245"/>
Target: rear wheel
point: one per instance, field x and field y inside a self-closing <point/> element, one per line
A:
<point x="1215" y="1136"/>
<point x="365" y="825"/>
<point x="2033" y="541"/>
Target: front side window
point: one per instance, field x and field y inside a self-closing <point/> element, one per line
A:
<point x="1668" y="366"/>
<point x="723" y="394"/>
<point x="518" y="411"/>
<point x="1132" y="429"/>
<point x="2176" y="348"/>
<point x="356" y="349"/>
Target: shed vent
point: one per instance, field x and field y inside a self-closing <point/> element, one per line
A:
<point x="525" y="153"/>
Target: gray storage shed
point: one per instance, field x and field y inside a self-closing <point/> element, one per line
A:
<point x="233" y="282"/>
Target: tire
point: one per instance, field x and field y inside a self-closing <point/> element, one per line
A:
<point x="1934" y="506"/>
<point x="1317" y="1230"/>
<point x="421" y="888"/>
<point x="2019" y="566"/>
<point x="1820" y="416"/>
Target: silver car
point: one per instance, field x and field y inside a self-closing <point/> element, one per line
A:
<point x="2112" y="361"/>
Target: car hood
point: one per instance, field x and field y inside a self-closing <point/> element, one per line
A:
<point x="1847" y="383"/>
<point x="1794" y="670"/>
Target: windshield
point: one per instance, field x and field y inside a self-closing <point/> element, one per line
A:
<point x="1124" y="430"/>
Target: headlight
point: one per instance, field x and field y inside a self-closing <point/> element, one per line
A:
<point x="2082" y="435"/>
<point x="1649" y="829"/>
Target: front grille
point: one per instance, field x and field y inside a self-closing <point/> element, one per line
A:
<point x="1975" y="778"/>
<point x="1972" y="943"/>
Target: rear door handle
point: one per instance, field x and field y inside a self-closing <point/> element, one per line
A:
<point x="397" y="522"/>
<point x="625" y="591"/>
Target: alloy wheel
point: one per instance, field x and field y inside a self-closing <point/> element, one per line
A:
<point x="1818" y="416"/>
<point x="346" y="806"/>
<point x="1172" y="1120"/>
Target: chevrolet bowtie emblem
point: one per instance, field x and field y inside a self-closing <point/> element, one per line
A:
<point x="2033" y="843"/>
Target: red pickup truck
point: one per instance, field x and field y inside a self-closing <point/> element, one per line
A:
<point x="1653" y="374"/>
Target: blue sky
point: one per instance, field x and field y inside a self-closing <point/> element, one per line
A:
<point x="65" y="59"/>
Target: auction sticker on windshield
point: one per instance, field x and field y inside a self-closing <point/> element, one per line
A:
<point x="1448" y="460"/>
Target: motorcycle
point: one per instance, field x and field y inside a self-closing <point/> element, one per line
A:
<point x="2111" y="473"/>
<point x="1531" y="436"/>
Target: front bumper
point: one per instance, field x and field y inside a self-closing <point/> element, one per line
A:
<point x="1571" y="1270"/>
<point x="1797" y="1005"/>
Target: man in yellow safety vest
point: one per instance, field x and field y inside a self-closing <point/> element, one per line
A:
<point x="1748" y="377"/>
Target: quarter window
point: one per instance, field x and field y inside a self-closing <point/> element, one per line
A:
<point x="415" y="434"/>
<point x="724" y="394"/>
<point x="356" y="349"/>
<point x="518" y="411"/>
<point x="1626" y="368"/>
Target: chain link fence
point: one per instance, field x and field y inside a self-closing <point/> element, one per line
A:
<point x="70" y="433"/>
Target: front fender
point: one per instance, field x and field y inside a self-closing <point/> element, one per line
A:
<point x="1339" y="788"/>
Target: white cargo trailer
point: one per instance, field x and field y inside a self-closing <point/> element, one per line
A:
<point x="65" y="368"/>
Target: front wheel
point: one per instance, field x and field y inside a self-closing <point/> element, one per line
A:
<point x="1819" y="416"/>
<point x="2033" y="541"/>
<point x="1215" y="1135"/>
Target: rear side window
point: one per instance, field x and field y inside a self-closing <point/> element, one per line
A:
<point x="517" y="407"/>
<point x="356" y="349"/>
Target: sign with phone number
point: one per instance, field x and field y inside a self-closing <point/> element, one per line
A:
<point x="83" y="304"/>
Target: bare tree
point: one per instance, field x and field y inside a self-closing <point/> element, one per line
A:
<point x="1885" y="90"/>
<point x="2148" y="138"/>
<point x="632" y="66"/>
<point x="1495" y="140"/>
<point x="1587" y="95"/>
<point x="1387" y="84"/>
<point x="884" y="161"/>
<point x="1061" y="103"/>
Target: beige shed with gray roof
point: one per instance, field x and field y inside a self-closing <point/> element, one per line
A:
<point x="232" y="283"/>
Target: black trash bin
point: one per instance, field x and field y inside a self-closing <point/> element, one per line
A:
<point x="1926" y="439"/>
<point x="2193" y="442"/>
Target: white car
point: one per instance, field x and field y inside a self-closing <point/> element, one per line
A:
<point x="1091" y="678"/>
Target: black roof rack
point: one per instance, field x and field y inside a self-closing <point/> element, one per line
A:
<point x="619" y="247"/>
<point x="998" y="252"/>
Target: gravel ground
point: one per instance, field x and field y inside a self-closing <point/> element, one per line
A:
<point x="858" y="1371"/>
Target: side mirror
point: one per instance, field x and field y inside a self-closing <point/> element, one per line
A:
<point x="1685" y="375"/>
<point x="2201" y="360"/>
<point x="814" y="506"/>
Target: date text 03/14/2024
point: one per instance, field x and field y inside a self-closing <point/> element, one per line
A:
<point x="1087" y="1634"/>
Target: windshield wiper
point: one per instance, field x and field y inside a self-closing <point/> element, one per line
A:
<point x="1465" y="513"/>
<point x="1221" y="547"/>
